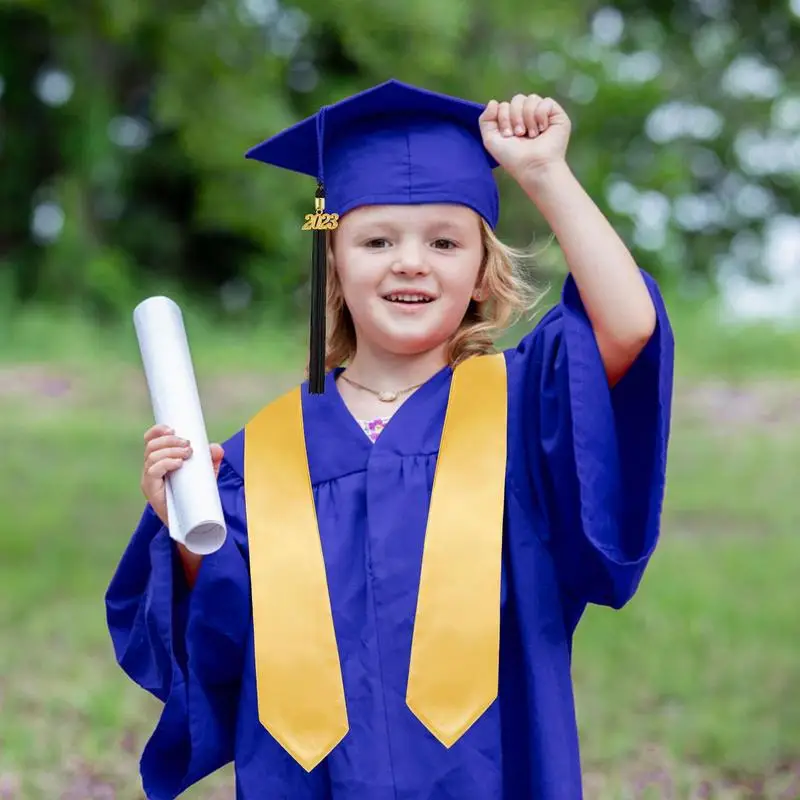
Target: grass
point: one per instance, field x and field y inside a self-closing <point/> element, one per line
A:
<point x="693" y="685"/>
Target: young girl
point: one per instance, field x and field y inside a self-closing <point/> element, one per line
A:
<point x="367" y="632"/>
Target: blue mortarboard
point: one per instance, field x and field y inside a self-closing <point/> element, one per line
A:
<point x="391" y="144"/>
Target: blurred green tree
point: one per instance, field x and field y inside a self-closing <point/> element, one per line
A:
<point x="124" y="125"/>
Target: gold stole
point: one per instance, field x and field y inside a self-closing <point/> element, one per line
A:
<point x="453" y="673"/>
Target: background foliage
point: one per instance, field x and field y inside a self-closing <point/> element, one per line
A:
<point x="123" y="125"/>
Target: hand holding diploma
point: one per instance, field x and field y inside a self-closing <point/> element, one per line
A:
<point x="164" y="452"/>
<point x="180" y="467"/>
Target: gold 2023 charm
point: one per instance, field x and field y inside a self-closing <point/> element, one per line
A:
<point x="321" y="222"/>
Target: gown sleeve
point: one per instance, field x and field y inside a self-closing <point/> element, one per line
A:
<point x="594" y="456"/>
<point x="184" y="647"/>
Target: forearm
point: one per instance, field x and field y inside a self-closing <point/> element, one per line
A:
<point x="190" y="562"/>
<point x="613" y="292"/>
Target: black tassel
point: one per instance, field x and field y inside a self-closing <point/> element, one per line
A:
<point x="319" y="275"/>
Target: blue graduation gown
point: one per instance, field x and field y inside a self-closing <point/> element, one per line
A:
<point x="585" y="481"/>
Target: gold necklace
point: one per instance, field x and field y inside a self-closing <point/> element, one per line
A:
<point x="384" y="396"/>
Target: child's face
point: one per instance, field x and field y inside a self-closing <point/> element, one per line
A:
<point x="408" y="273"/>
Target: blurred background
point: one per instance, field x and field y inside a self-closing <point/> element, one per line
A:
<point x="122" y="131"/>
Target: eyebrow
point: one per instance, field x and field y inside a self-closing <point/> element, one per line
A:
<point x="374" y="227"/>
<point x="448" y="226"/>
<point x="370" y="226"/>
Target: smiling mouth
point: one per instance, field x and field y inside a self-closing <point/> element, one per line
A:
<point x="408" y="299"/>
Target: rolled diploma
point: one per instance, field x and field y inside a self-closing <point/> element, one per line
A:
<point x="193" y="503"/>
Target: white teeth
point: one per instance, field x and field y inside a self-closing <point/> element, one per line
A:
<point x="408" y="298"/>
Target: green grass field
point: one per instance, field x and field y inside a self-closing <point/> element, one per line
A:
<point x="695" y="687"/>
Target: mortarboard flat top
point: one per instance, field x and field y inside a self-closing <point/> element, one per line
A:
<point x="391" y="144"/>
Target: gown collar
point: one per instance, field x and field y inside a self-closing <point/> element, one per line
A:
<point x="336" y="444"/>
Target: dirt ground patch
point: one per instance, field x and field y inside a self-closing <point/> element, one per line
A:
<point x="771" y="404"/>
<point x="653" y="775"/>
<point x="767" y="405"/>
<point x="123" y="388"/>
<point x="32" y="380"/>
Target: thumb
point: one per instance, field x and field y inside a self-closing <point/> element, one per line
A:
<point x="488" y="118"/>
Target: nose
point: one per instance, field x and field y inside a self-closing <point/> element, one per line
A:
<point x="410" y="259"/>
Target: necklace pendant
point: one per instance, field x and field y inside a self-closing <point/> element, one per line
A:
<point x="387" y="397"/>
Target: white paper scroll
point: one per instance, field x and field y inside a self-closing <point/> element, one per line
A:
<point x="193" y="504"/>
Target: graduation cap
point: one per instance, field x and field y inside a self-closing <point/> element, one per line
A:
<point x="393" y="144"/>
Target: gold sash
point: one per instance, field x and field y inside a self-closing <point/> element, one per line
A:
<point x="453" y="674"/>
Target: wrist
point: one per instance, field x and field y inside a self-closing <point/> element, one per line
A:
<point x="190" y="562"/>
<point x="539" y="179"/>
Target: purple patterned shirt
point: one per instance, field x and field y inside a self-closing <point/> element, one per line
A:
<point x="373" y="427"/>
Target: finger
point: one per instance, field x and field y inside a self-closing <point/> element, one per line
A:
<point x="157" y="430"/>
<point x="217" y="453"/>
<point x="168" y="453"/>
<point x="159" y="470"/>
<point x="528" y="114"/>
<point x="558" y="114"/>
<point x="488" y="118"/>
<point x="517" y="121"/>
<point x="489" y="114"/>
<point x="163" y="442"/>
<point x="542" y="114"/>
<point x="504" y="119"/>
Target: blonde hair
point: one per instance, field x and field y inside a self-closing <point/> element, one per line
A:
<point x="507" y="294"/>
